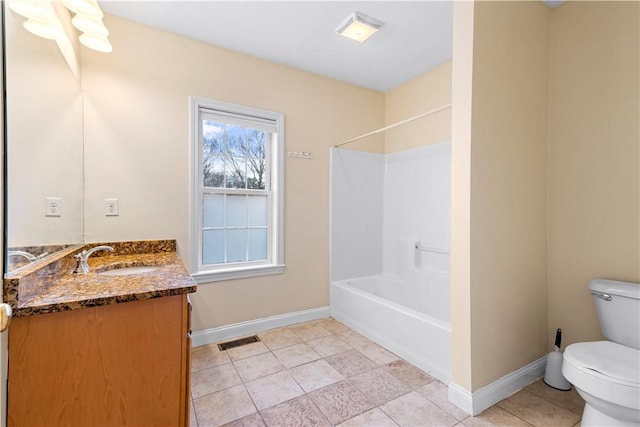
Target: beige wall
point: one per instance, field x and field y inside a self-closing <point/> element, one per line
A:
<point x="594" y="158"/>
<point x="426" y="92"/>
<point x="460" y="257"/>
<point x="503" y="274"/>
<point x="508" y="187"/>
<point x="44" y="134"/>
<point x="545" y="175"/>
<point x="137" y="150"/>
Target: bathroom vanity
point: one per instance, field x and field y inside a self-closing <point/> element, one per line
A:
<point x="109" y="347"/>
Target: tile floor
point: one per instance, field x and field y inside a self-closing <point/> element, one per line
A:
<point x="321" y="373"/>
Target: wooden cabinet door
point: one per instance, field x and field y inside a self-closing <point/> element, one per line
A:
<point x="186" y="372"/>
<point x="113" y="365"/>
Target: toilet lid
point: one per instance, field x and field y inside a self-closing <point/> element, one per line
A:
<point x="616" y="361"/>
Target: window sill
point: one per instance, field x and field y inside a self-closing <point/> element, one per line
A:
<point x="237" y="273"/>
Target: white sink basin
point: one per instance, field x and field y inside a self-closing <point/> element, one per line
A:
<point x="128" y="270"/>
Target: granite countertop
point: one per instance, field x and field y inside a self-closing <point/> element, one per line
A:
<point x="53" y="287"/>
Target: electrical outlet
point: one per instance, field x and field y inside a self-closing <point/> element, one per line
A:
<point x="111" y="207"/>
<point x="53" y="206"/>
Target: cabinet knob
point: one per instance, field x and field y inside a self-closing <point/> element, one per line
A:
<point x="5" y="316"/>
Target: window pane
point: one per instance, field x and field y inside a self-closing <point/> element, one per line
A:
<point x="257" y="244"/>
<point x="235" y="198"/>
<point x="256" y="143"/>
<point x="256" y="174"/>
<point x="212" y="137"/>
<point x="236" y="211"/>
<point x="213" y="246"/>
<point x="236" y="172"/>
<point x="236" y="245"/>
<point x="258" y="211"/>
<point x="213" y="171"/>
<point x="236" y="141"/>
<point x="213" y="210"/>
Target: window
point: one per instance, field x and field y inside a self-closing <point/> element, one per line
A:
<point x="237" y="220"/>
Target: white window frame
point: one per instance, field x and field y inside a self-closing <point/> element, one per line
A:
<point x="275" y="234"/>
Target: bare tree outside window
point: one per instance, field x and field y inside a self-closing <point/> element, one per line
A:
<point x="233" y="157"/>
<point x="256" y="154"/>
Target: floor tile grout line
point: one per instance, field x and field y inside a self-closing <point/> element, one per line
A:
<point x="259" y="411"/>
<point x="349" y="379"/>
<point x="550" y="401"/>
<point x="308" y="394"/>
<point x="297" y="397"/>
<point x="305" y="393"/>
<point x="436" y="404"/>
<point x="252" y="401"/>
<point x="192" y="407"/>
<point x="357" y="415"/>
<point x="546" y="400"/>
<point x="515" y="415"/>
<point x="243" y="382"/>
<point x="389" y="415"/>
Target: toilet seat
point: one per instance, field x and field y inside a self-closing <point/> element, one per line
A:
<point x="615" y="361"/>
<point x="606" y="370"/>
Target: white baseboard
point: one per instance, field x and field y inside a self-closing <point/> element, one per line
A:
<point x="487" y="396"/>
<point x="213" y="335"/>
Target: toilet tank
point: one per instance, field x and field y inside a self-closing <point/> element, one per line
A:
<point x="618" y="307"/>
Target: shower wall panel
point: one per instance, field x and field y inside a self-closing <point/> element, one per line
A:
<point x="357" y="180"/>
<point x="417" y="193"/>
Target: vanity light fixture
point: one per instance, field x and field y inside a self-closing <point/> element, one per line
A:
<point x="358" y="27"/>
<point x="87" y="19"/>
<point x="84" y="7"/>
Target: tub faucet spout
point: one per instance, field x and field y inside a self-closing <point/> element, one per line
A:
<point x="82" y="267"/>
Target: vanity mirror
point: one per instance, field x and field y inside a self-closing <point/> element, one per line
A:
<point x="44" y="146"/>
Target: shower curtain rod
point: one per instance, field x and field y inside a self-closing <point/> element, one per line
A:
<point x="405" y="121"/>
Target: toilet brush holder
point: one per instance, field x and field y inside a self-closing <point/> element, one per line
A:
<point x="553" y="373"/>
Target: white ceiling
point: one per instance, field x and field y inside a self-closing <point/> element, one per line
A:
<point x="416" y="35"/>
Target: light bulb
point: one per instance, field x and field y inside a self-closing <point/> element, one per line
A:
<point x="27" y="8"/>
<point x="89" y="24"/>
<point x="39" y="28"/>
<point x="96" y="42"/>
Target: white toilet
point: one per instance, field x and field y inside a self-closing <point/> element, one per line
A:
<point x="607" y="373"/>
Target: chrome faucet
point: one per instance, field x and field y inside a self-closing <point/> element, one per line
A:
<point x="27" y="255"/>
<point x="82" y="267"/>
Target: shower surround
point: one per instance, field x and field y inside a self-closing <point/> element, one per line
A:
<point x="390" y="225"/>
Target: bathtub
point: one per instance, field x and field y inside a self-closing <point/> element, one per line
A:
<point x="409" y="320"/>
